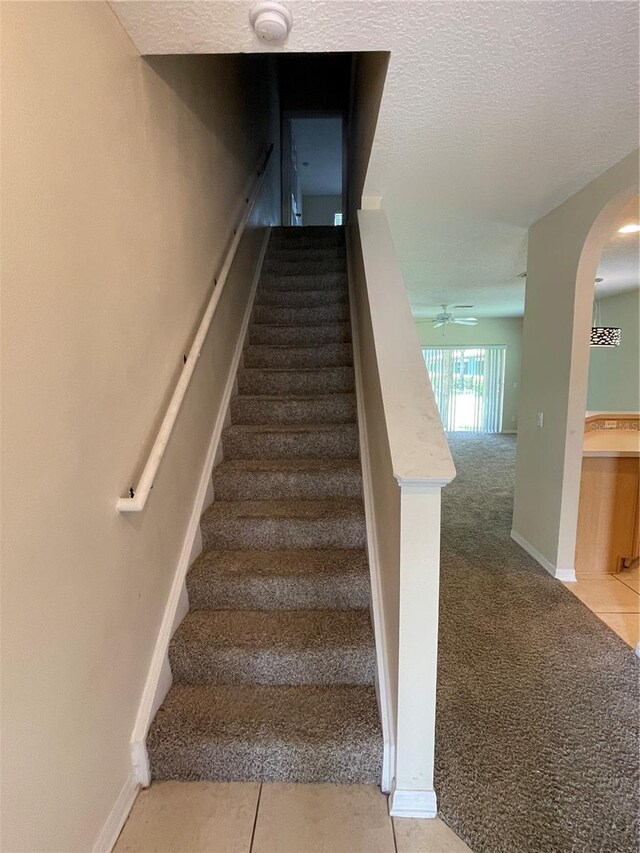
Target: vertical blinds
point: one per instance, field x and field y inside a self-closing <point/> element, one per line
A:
<point x="468" y="384"/>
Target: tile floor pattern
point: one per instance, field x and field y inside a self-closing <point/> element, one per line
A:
<point x="615" y="599"/>
<point x="236" y="817"/>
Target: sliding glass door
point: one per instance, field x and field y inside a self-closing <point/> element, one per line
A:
<point x="468" y="384"/>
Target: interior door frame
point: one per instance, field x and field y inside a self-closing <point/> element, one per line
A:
<point x="285" y="156"/>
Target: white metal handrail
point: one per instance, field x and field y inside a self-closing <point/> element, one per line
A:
<point x="138" y="495"/>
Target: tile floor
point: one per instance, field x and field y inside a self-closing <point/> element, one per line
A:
<point x="615" y="599"/>
<point x="234" y="817"/>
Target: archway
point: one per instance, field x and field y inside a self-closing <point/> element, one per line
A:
<point x="563" y="255"/>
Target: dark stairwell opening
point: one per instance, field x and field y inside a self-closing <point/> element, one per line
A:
<point x="314" y="108"/>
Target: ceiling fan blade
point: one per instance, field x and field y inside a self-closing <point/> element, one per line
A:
<point x="438" y="323"/>
<point x="466" y="321"/>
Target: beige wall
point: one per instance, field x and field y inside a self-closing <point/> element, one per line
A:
<point x="320" y="209"/>
<point x="561" y="269"/>
<point x="614" y="373"/>
<point x="121" y="179"/>
<point x="369" y="76"/>
<point x="501" y="331"/>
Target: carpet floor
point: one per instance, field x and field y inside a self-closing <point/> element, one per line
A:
<point x="537" y="731"/>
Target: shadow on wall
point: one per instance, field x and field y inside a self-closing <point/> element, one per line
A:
<point x="228" y="76"/>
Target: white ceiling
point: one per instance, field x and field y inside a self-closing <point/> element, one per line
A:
<point x="493" y="114"/>
<point x="318" y="143"/>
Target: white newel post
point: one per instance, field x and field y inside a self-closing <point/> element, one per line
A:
<point x="413" y="794"/>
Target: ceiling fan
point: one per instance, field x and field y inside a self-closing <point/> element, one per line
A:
<point x="446" y="319"/>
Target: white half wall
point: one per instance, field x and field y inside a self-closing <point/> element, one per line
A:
<point x="407" y="463"/>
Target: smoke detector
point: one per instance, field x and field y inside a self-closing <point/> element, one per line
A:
<point x="271" y="21"/>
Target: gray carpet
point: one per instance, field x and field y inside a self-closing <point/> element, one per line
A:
<point x="274" y="665"/>
<point x="537" y="715"/>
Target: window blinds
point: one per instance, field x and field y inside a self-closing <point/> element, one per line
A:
<point x="468" y="384"/>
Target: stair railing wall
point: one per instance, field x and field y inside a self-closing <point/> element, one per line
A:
<point x="213" y="386"/>
<point x="139" y="494"/>
<point x="406" y="463"/>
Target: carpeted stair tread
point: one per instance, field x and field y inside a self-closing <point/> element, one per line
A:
<point x="301" y="282"/>
<point x="315" y="465"/>
<point x="309" y="254"/>
<point x="305" y="479"/>
<point x="288" y="579"/>
<point x="291" y="409"/>
<point x="286" y="509"/>
<point x="275" y="524"/>
<point x="282" y="239"/>
<point x="304" y="266"/>
<point x="274" y="647"/>
<point x="299" y="381"/>
<point x="307" y="733"/>
<point x="292" y="357"/>
<point x="275" y="441"/>
<point x="274" y="665"/>
<point x="302" y="315"/>
<point x="301" y="298"/>
<point x="296" y="335"/>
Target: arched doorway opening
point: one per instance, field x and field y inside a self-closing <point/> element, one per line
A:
<point x="563" y="255"/>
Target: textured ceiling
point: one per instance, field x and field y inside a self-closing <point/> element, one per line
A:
<point x="493" y="114"/>
<point x="619" y="266"/>
<point x="319" y="144"/>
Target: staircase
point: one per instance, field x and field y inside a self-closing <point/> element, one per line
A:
<point x="274" y="665"/>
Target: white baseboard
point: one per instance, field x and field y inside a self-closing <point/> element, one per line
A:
<point x="638" y="650"/>
<point x="404" y="803"/>
<point x="112" y="827"/>
<point x="565" y="575"/>
<point x="383" y="684"/>
<point x="159" y="676"/>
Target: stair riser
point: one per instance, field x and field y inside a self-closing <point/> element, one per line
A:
<point x="309" y="254"/>
<point x="300" y="335"/>
<point x="317" y="242"/>
<point x="329" y="380"/>
<point x="271" y="762"/>
<point x="271" y="533"/>
<point x="197" y="663"/>
<point x="302" y="298"/>
<point x="230" y="591"/>
<point x="281" y="485"/>
<point x="300" y="316"/>
<point x="337" y="409"/>
<point x="323" y="281"/>
<point x="296" y="266"/>
<point x="277" y="445"/>
<point x="290" y="358"/>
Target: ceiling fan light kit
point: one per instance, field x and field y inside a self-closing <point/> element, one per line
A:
<point x="446" y="318"/>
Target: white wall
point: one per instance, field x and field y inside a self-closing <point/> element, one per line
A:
<point x="561" y="270"/>
<point x="121" y="180"/>
<point x="489" y="332"/>
<point x="320" y="209"/>
<point x="614" y="372"/>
